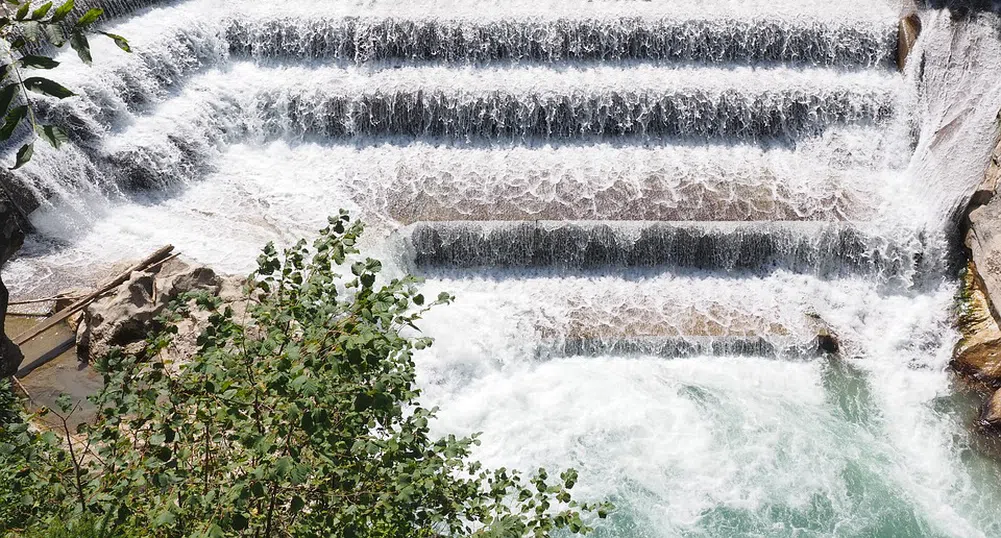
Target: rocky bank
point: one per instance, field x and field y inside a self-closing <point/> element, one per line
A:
<point x="978" y="353"/>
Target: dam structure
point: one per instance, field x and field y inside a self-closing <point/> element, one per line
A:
<point x="651" y="215"/>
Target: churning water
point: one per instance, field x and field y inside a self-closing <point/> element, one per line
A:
<point x="647" y="211"/>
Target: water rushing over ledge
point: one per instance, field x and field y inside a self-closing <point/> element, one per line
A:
<point x="647" y="211"/>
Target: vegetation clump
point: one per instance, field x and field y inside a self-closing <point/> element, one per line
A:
<point x="297" y="417"/>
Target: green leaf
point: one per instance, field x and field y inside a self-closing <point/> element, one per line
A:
<point x="12" y="120"/>
<point x="22" y="11"/>
<point x="41" y="11"/>
<point x="82" y="47"/>
<point x="7" y="95"/>
<point x="120" y="41"/>
<point x="47" y="87"/>
<point x="283" y="466"/>
<point x="39" y="62"/>
<point x="52" y="134"/>
<point x="62" y="11"/>
<point x="240" y="522"/>
<point x="89" y="17"/>
<point x="64" y="401"/>
<point x="164" y="519"/>
<point x="55" y="35"/>
<point x="31" y="30"/>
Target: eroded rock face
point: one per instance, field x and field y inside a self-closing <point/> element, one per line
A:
<point x="978" y="353"/>
<point x="125" y="317"/>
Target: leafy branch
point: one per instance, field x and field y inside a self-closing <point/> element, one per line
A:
<point x="27" y="32"/>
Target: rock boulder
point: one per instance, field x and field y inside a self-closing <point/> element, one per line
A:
<point x="990" y="414"/>
<point x="978" y="352"/>
<point x="124" y="317"/>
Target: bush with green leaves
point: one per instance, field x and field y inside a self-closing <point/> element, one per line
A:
<point x="298" y="416"/>
<point x="26" y="495"/>
<point x="28" y="31"/>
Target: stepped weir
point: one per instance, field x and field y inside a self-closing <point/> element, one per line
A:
<point x="648" y="211"/>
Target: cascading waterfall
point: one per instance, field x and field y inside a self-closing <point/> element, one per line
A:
<point x="647" y="210"/>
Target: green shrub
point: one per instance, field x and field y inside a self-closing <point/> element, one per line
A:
<point x="31" y="467"/>
<point x="82" y="526"/>
<point x="298" y="418"/>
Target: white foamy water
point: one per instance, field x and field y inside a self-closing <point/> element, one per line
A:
<point x="647" y="212"/>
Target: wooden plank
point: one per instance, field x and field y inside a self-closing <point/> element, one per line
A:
<point x="44" y="300"/>
<point x="64" y="344"/>
<point x="160" y="256"/>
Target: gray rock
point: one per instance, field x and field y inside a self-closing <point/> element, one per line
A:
<point x="827" y="342"/>
<point x="126" y="316"/>
<point x="985" y="191"/>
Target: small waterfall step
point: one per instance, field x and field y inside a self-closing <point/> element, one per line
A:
<point x="586" y="33"/>
<point x="522" y="104"/>
<point x="856" y="12"/>
<point x="600" y="182"/>
<point x="654" y="314"/>
<point x="542" y="104"/>
<point x="404" y="184"/>
<point x="651" y="198"/>
<point x="679" y="347"/>
<point x="642" y="330"/>
<point x="825" y="249"/>
<point x="838" y="176"/>
<point x="176" y="38"/>
<point x="421" y="182"/>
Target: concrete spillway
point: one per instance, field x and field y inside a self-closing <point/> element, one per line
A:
<point x="648" y="211"/>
